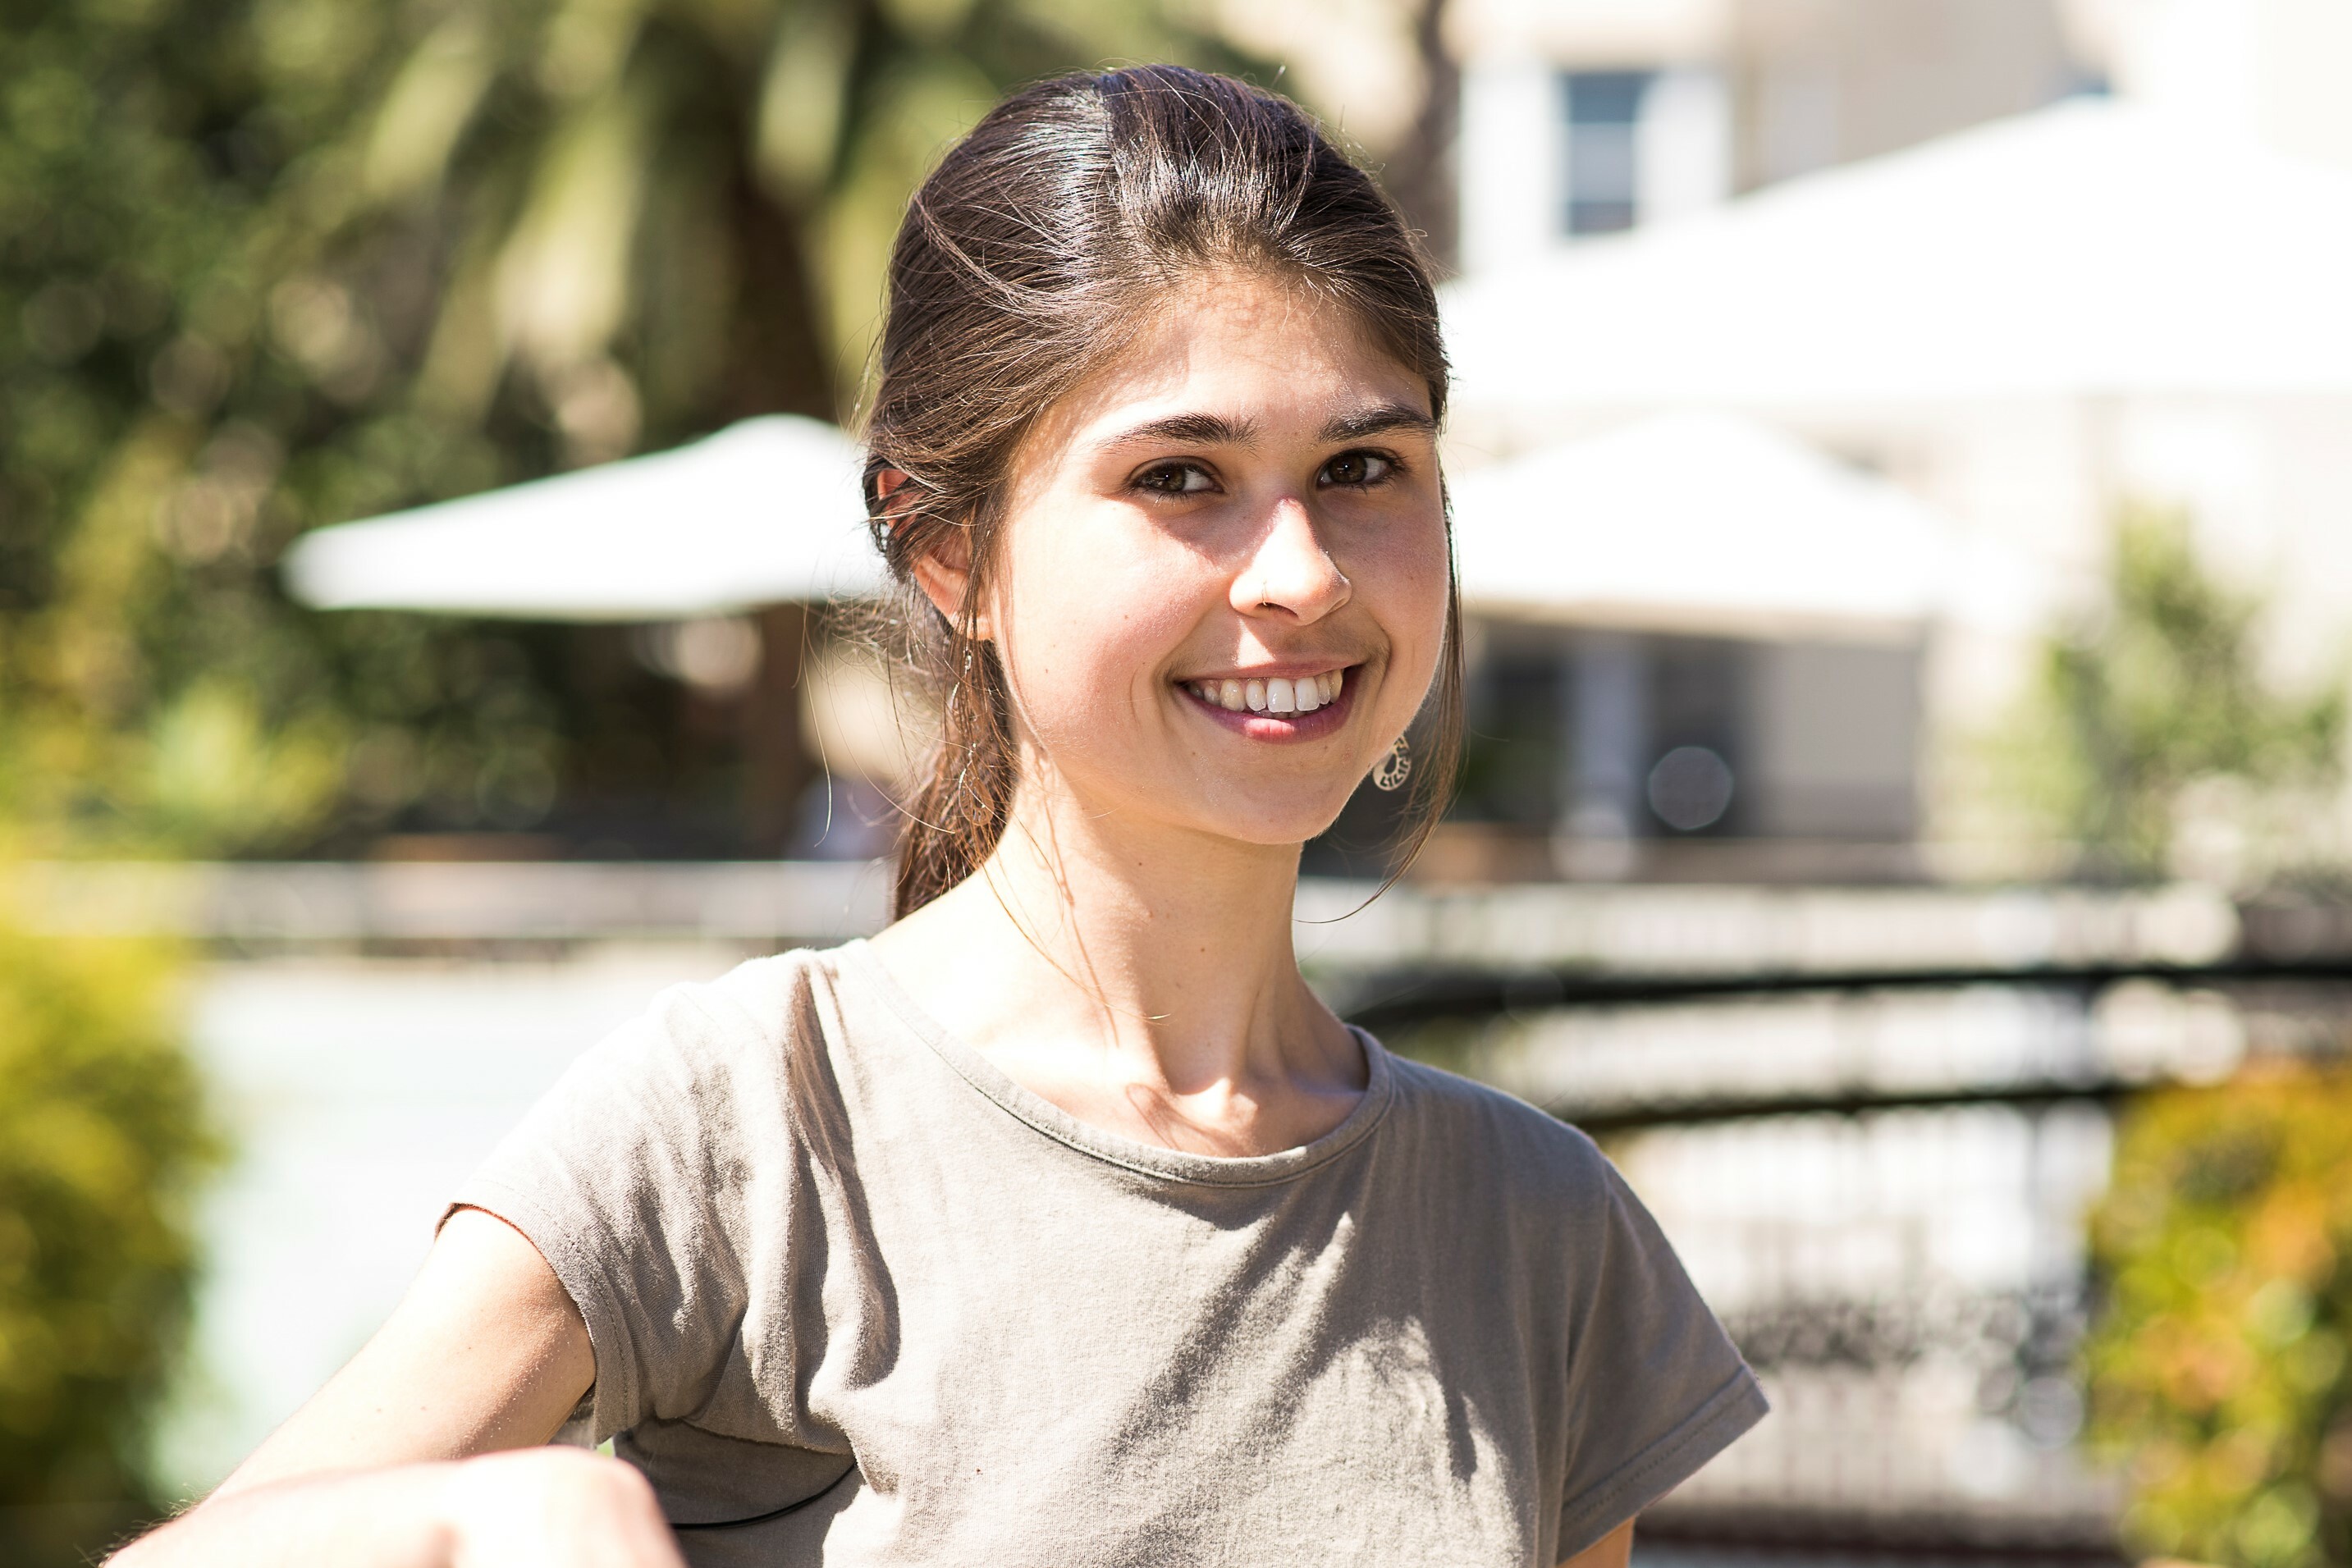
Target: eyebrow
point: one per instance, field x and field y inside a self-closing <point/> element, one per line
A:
<point x="1189" y="430"/>
<point x="1372" y="421"/>
<point x="1215" y="430"/>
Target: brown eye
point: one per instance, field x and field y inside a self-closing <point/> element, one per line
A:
<point x="1357" y="469"/>
<point x="1176" y="479"/>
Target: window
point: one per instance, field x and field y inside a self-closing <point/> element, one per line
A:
<point x="1603" y="110"/>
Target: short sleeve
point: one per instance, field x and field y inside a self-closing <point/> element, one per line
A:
<point x="1655" y="1388"/>
<point x="631" y="1178"/>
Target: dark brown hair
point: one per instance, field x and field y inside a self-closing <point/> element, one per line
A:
<point x="1032" y="256"/>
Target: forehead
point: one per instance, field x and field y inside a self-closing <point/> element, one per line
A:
<point x="1241" y="345"/>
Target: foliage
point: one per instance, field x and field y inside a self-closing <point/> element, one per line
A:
<point x="268" y="263"/>
<point x="2162" y="708"/>
<point x="2219" y="1368"/>
<point x="103" y="1137"/>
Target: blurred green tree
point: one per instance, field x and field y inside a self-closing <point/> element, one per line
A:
<point x="266" y="264"/>
<point x="2163" y="694"/>
<point x="2217" y="1367"/>
<point x="102" y="1140"/>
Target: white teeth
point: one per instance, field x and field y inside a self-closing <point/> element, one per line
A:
<point x="1303" y="693"/>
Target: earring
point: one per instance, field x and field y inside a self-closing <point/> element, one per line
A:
<point x="1392" y="770"/>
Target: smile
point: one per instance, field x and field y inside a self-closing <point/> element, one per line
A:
<point x="1274" y="707"/>
<point x="1304" y="694"/>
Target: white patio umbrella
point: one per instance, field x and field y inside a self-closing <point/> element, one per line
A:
<point x="1711" y="522"/>
<point x="765" y="511"/>
<point x="2090" y="247"/>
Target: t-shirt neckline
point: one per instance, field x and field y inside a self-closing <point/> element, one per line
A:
<point x="1147" y="1159"/>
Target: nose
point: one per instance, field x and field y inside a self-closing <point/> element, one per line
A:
<point x="1289" y="573"/>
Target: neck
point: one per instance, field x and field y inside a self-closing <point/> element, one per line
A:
<point x="1137" y="974"/>
<point x="1182" y="940"/>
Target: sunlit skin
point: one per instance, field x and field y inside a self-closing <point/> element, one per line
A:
<point x="1252" y="490"/>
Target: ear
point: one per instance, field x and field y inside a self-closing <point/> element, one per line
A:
<point x="944" y="571"/>
<point x="944" y="574"/>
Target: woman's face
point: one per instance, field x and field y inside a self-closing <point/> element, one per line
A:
<point x="1220" y="591"/>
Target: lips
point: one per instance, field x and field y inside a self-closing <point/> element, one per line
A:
<point x="1270" y="694"/>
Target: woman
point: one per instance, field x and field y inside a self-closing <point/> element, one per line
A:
<point x="1060" y="1223"/>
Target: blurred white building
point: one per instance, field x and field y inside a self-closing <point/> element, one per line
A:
<point x="1874" y="225"/>
<point x="1584" y="117"/>
<point x="1611" y="113"/>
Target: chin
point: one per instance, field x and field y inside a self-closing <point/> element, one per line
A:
<point x="1287" y="825"/>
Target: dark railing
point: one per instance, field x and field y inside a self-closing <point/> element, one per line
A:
<point x="1400" y="1000"/>
<point x="1388" y="999"/>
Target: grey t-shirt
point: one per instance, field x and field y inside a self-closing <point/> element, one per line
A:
<point x="807" y="1227"/>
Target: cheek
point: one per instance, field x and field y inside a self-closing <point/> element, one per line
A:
<point x="1404" y="582"/>
<point x="1086" y="631"/>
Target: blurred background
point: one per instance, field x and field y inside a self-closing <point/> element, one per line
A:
<point x="1903" y="474"/>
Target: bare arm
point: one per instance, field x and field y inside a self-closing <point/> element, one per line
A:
<point x="379" y="1469"/>
<point x="1614" y="1549"/>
